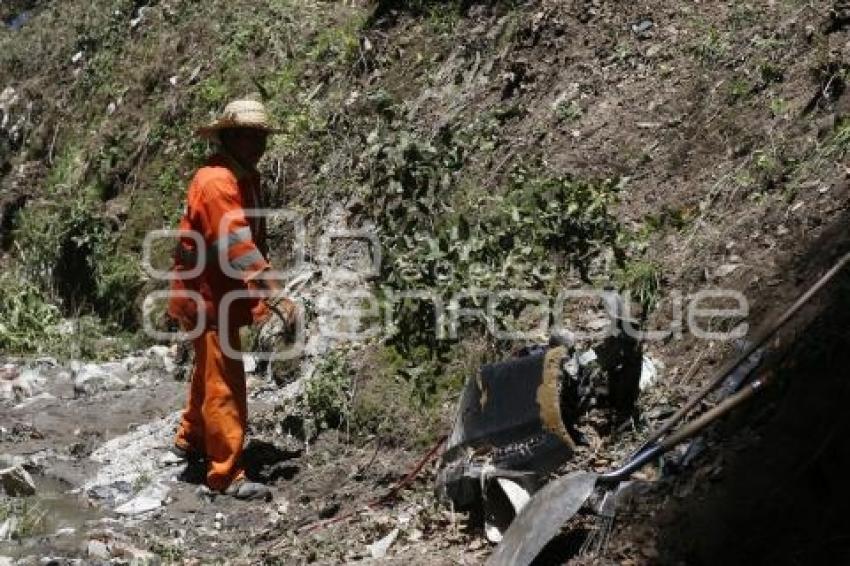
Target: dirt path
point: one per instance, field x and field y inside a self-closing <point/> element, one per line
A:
<point x="97" y="450"/>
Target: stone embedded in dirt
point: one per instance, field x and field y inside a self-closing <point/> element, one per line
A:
<point x="164" y="356"/>
<point x="22" y="385"/>
<point x="726" y="269"/>
<point x="17" y="482"/>
<point x="329" y="510"/>
<point x="148" y="499"/>
<point x="98" y="549"/>
<point x="642" y="28"/>
<point x="204" y="493"/>
<point x="8" y="372"/>
<point x="95" y="378"/>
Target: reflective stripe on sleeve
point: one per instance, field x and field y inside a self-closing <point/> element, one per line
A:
<point x="247" y="260"/>
<point x="236" y="237"/>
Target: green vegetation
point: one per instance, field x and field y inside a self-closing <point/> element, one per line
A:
<point x="543" y="224"/>
<point x="396" y="397"/>
<point x="568" y="111"/>
<point x="643" y="280"/>
<point x="27" y="320"/>
<point x="738" y="90"/>
<point x="328" y="392"/>
<point x="28" y="517"/>
<point x="712" y="45"/>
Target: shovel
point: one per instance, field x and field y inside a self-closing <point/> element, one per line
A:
<point x="562" y="498"/>
<point x="765" y="335"/>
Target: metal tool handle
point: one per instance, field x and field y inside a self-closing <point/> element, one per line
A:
<point x="689" y="430"/>
<point x="728" y="368"/>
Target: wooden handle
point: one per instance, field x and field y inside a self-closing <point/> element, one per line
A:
<point x="695" y="426"/>
<point x="763" y="337"/>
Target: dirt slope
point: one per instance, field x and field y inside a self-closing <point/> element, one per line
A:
<point x="722" y="126"/>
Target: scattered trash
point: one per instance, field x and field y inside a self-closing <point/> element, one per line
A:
<point x="250" y="362"/>
<point x="498" y="515"/>
<point x="516" y="420"/>
<point x="378" y="549"/>
<point x="78" y="56"/>
<point x="648" y="372"/>
<point x="137" y="21"/>
<point x="513" y="409"/>
<point x="8" y="372"/>
<point x="194" y="75"/>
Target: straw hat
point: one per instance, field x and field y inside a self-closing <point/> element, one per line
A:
<point x="240" y="114"/>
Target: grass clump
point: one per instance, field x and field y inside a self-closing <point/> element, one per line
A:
<point x="643" y="281"/>
<point x="327" y="395"/>
<point x="27" y="320"/>
<point x="27" y="517"/>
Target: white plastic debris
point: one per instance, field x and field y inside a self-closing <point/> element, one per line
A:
<point x="379" y="548"/>
<point x="587" y="357"/>
<point x="649" y="372"/>
<point x="250" y="362"/>
<point x="516" y="494"/>
<point x="78" y="56"/>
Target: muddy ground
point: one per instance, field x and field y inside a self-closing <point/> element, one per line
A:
<point x="97" y="457"/>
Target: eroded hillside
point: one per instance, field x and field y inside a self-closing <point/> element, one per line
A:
<point x="660" y="147"/>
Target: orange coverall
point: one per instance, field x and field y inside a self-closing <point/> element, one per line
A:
<point x="214" y="420"/>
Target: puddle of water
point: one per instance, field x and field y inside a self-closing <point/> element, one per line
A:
<point x="44" y="514"/>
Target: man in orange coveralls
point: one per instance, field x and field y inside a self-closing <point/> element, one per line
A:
<point x="228" y="245"/>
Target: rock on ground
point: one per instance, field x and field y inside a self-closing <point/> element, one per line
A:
<point x="17" y="482"/>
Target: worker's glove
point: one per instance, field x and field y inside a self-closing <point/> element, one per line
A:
<point x="283" y="319"/>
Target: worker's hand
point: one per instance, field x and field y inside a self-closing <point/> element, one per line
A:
<point x="286" y="310"/>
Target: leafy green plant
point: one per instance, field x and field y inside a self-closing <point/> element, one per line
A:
<point x="327" y="395"/>
<point x="27" y="320"/>
<point x="779" y="107"/>
<point x="738" y="89"/>
<point x="519" y="239"/>
<point x="711" y="47"/>
<point x="771" y="73"/>
<point x="27" y="516"/>
<point x="568" y="111"/>
<point x="642" y="279"/>
<point x="72" y="254"/>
